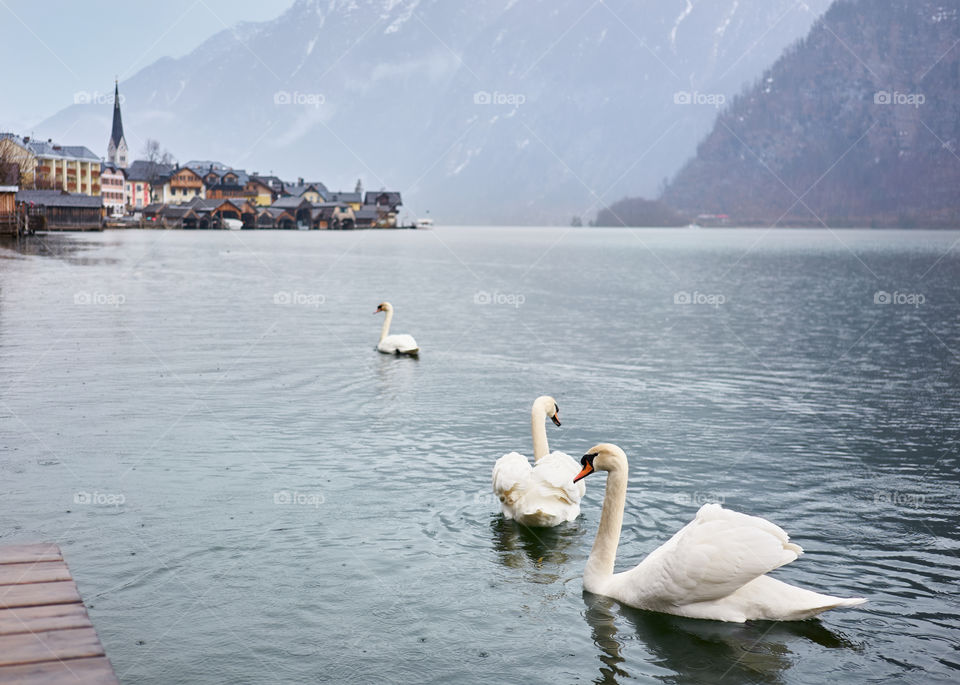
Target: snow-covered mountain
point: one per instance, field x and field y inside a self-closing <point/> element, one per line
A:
<point x="523" y="111"/>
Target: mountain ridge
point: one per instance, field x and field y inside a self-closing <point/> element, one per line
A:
<point x="398" y="79"/>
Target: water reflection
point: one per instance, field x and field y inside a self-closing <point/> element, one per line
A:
<point x="543" y="550"/>
<point x="64" y="246"/>
<point x="701" y="651"/>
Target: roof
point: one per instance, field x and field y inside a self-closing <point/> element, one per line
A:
<point x="367" y="212"/>
<point x="57" y="198"/>
<point x="203" y="166"/>
<point x="110" y="166"/>
<point x="49" y="149"/>
<point x="273" y="181"/>
<point x="275" y="212"/>
<point x="145" y="170"/>
<point x="393" y="197"/>
<point x="340" y="196"/>
<point x="116" y="134"/>
<point x="290" y="202"/>
<point x="300" y="189"/>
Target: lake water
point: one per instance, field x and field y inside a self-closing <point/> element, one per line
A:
<point x="247" y="492"/>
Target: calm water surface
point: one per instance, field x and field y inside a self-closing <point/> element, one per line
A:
<point x="248" y="493"/>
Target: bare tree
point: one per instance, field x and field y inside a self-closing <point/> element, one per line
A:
<point x="158" y="162"/>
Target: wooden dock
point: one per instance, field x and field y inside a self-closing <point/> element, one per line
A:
<point x="45" y="634"/>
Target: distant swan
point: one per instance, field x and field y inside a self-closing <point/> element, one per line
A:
<point x="394" y="344"/>
<point x="543" y="494"/>
<point x="712" y="568"/>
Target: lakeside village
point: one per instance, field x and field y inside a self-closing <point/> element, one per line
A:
<point x="45" y="186"/>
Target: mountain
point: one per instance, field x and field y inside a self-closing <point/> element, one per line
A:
<point x="857" y="124"/>
<point x="492" y="111"/>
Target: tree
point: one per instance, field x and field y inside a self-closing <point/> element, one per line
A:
<point x="158" y="163"/>
<point x="576" y="221"/>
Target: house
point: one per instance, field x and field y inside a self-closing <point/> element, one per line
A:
<point x="183" y="185"/>
<point x="366" y="217"/>
<point x="230" y="183"/>
<point x="259" y="192"/>
<point x="58" y="210"/>
<point x="334" y="216"/>
<point x="145" y="181"/>
<point x="117" y="146"/>
<point x="9" y="175"/>
<point x="386" y="203"/>
<point x="113" y="188"/>
<point x="354" y="199"/>
<point x="45" y="164"/>
<point x="315" y="192"/>
<point x="274" y="217"/>
<point x="299" y="207"/>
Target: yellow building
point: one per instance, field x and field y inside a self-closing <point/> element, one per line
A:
<point x="45" y="164"/>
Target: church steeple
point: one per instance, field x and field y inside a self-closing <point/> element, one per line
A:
<point x="117" y="147"/>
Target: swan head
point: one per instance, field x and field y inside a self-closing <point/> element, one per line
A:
<point x="602" y="457"/>
<point x="549" y="406"/>
<point x="383" y="307"/>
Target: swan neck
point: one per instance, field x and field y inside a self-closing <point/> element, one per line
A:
<point x="538" y="426"/>
<point x="604" y="552"/>
<point x="385" y="330"/>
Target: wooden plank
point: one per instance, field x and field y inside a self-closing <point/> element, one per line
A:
<point x="17" y="554"/>
<point x="37" y="619"/>
<point x="34" y="572"/>
<point x="91" y="671"/>
<point x="38" y="594"/>
<point x="50" y="645"/>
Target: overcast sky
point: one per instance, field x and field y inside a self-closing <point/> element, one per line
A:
<point x="52" y="49"/>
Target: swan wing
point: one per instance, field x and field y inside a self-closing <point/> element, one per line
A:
<point x="398" y="343"/>
<point x="511" y="478"/>
<point x="554" y="475"/>
<point x="709" y="558"/>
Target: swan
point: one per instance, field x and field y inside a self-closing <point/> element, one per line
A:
<point x="397" y="343"/>
<point x="712" y="568"/>
<point x="544" y="494"/>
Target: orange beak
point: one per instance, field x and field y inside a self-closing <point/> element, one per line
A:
<point x="586" y="471"/>
<point x="556" y="419"/>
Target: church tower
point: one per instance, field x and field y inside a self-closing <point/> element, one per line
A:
<point x="117" y="147"/>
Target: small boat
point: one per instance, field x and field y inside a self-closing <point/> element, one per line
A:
<point x="424" y="223"/>
<point x="232" y="224"/>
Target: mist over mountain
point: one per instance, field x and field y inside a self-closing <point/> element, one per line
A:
<point x="857" y="124"/>
<point x="494" y="111"/>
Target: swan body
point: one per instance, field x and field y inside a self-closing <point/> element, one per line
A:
<point x="397" y="343"/>
<point x="713" y="568"/>
<point x="544" y="494"/>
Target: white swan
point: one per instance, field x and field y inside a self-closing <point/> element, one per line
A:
<point x="398" y="343"/>
<point x="543" y="494"/>
<point x="713" y="568"/>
